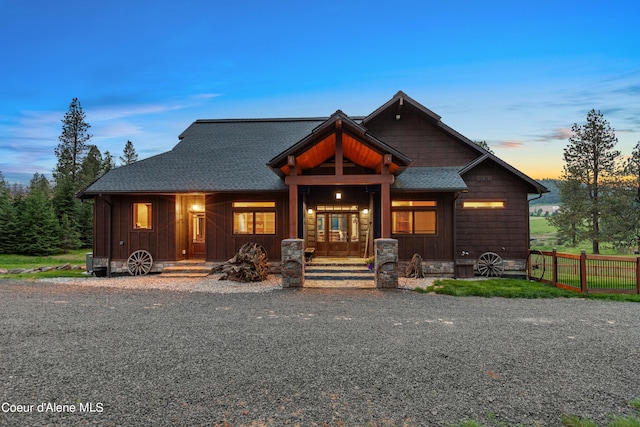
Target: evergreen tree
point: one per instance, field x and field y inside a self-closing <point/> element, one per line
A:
<point x="570" y="219"/>
<point x="484" y="145"/>
<point x="69" y="235"/>
<point x="67" y="209"/>
<point x="108" y="162"/>
<point x="64" y="200"/>
<point x="7" y="219"/>
<point x="621" y="209"/>
<point x="91" y="168"/>
<point x="130" y="155"/>
<point x="632" y="168"/>
<point x="73" y="144"/>
<point x="85" y="223"/>
<point x="589" y="159"/>
<point x="38" y="226"/>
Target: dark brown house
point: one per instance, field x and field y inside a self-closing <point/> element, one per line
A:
<point x="338" y="182"/>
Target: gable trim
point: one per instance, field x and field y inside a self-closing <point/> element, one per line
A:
<point x="323" y="140"/>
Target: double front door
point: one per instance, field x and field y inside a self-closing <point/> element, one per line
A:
<point x="338" y="234"/>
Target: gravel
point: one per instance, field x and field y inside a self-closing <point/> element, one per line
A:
<point x="309" y="357"/>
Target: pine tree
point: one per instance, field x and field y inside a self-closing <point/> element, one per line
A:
<point x="7" y="219"/>
<point x="570" y="218"/>
<point x="73" y="144"/>
<point x="67" y="210"/>
<point x="130" y="155"/>
<point x="69" y="235"/>
<point x="85" y="223"/>
<point x="589" y="159"/>
<point x="38" y="226"/>
<point x="108" y="162"/>
<point x="621" y="208"/>
<point x="91" y="167"/>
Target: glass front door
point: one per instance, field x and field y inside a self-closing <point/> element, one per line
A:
<point x="197" y="235"/>
<point x="338" y="233"/>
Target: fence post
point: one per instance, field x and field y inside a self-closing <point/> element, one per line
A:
<point x="554" y="267"/>
<point x="583" y="271"/>
<point x="638" y="274"/>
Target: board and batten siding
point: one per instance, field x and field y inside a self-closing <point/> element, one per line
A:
<point x="124" y="239"/>
<point x="504" y="231"/>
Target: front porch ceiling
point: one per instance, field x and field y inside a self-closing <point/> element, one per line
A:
<point x="315" y="155"/>
<point x="353" y="149"/>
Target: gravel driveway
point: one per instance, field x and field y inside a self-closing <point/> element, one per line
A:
<point x="309" y="357"/>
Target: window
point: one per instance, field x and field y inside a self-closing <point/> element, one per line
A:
<point x="484" y="204"/>
<point x="254" y="218"/>
<point x="414" y="217"/>
<point x="142" y="216"/>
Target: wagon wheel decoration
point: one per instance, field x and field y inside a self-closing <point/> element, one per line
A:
<point x="139" y="263"/>
<point x="537" y="265"/>
<point x="490" y="264"/>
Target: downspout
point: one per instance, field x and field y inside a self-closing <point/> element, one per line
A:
<point x="108" y="235"/>
<point x="455" y="231"/>
<point x="528" y="209"/>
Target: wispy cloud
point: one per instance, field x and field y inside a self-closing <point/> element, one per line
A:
<point x="205" y="96"/>
<point x="510" y="144"/>
<point x="556" y="135"/>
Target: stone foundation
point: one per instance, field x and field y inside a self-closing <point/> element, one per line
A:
<point x="386" y="263"/>
<point x="292" y="263"/>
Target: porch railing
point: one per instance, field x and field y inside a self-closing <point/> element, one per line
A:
<point x="586" y="273"/>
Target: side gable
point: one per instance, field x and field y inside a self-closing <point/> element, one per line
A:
<point x="533" y="186"/>
<point x="417" y="131"/>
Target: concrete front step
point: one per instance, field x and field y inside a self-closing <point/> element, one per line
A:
<point x="342" y="272"/>
<point x="187" y="270"/>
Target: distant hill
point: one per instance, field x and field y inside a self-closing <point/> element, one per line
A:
<point x="550" y="198"/>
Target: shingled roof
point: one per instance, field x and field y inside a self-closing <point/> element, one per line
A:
<point x="230" y="155"/>
<point x="212" y="156"/>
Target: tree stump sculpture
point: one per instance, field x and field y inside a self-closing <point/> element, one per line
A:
<point x="414" y="269"/>
<point x="250" y="264"/>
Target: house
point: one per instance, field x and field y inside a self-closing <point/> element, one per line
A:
<point x="337" y="182"/>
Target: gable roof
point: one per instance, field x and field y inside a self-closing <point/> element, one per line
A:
<point x="212" y="155"/>
<point x="533" y="185"/>
<point x="358" y="146"/>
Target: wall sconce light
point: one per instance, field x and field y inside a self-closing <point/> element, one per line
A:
<point x="195" y="207"/>
<point x="398" y="116"/>
<point x="365" y="211"/>
<point x="310" y="211"/>
<point x="338" y="196"/>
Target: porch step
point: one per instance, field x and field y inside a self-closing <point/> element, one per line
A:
<point x="343" y="274"/>
<point x="187" y="270"/>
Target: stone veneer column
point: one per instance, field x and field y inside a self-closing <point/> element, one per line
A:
<point x="386" y="263"/>
<point x="292" y="263"/>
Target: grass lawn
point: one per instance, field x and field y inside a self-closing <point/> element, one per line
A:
<point x="575" y="421"/>
<point x="9" y="261"/>
<point x="514" y="288"/>
<point x="544" y="235"/>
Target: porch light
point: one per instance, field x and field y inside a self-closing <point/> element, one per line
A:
<point x="338" y="196"/>
<point x="195" y="207"/>
<point x="365" y="211"/>
<point x="310" y="211"/>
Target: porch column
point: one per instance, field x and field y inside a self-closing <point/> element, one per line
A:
<point x="293" y="211"/>
<point x="385" y="200"/>
<point x="293" y="199"/>
<point x="385" y="211"/>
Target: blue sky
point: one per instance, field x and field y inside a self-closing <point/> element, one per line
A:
<point x="517" y="74"/>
